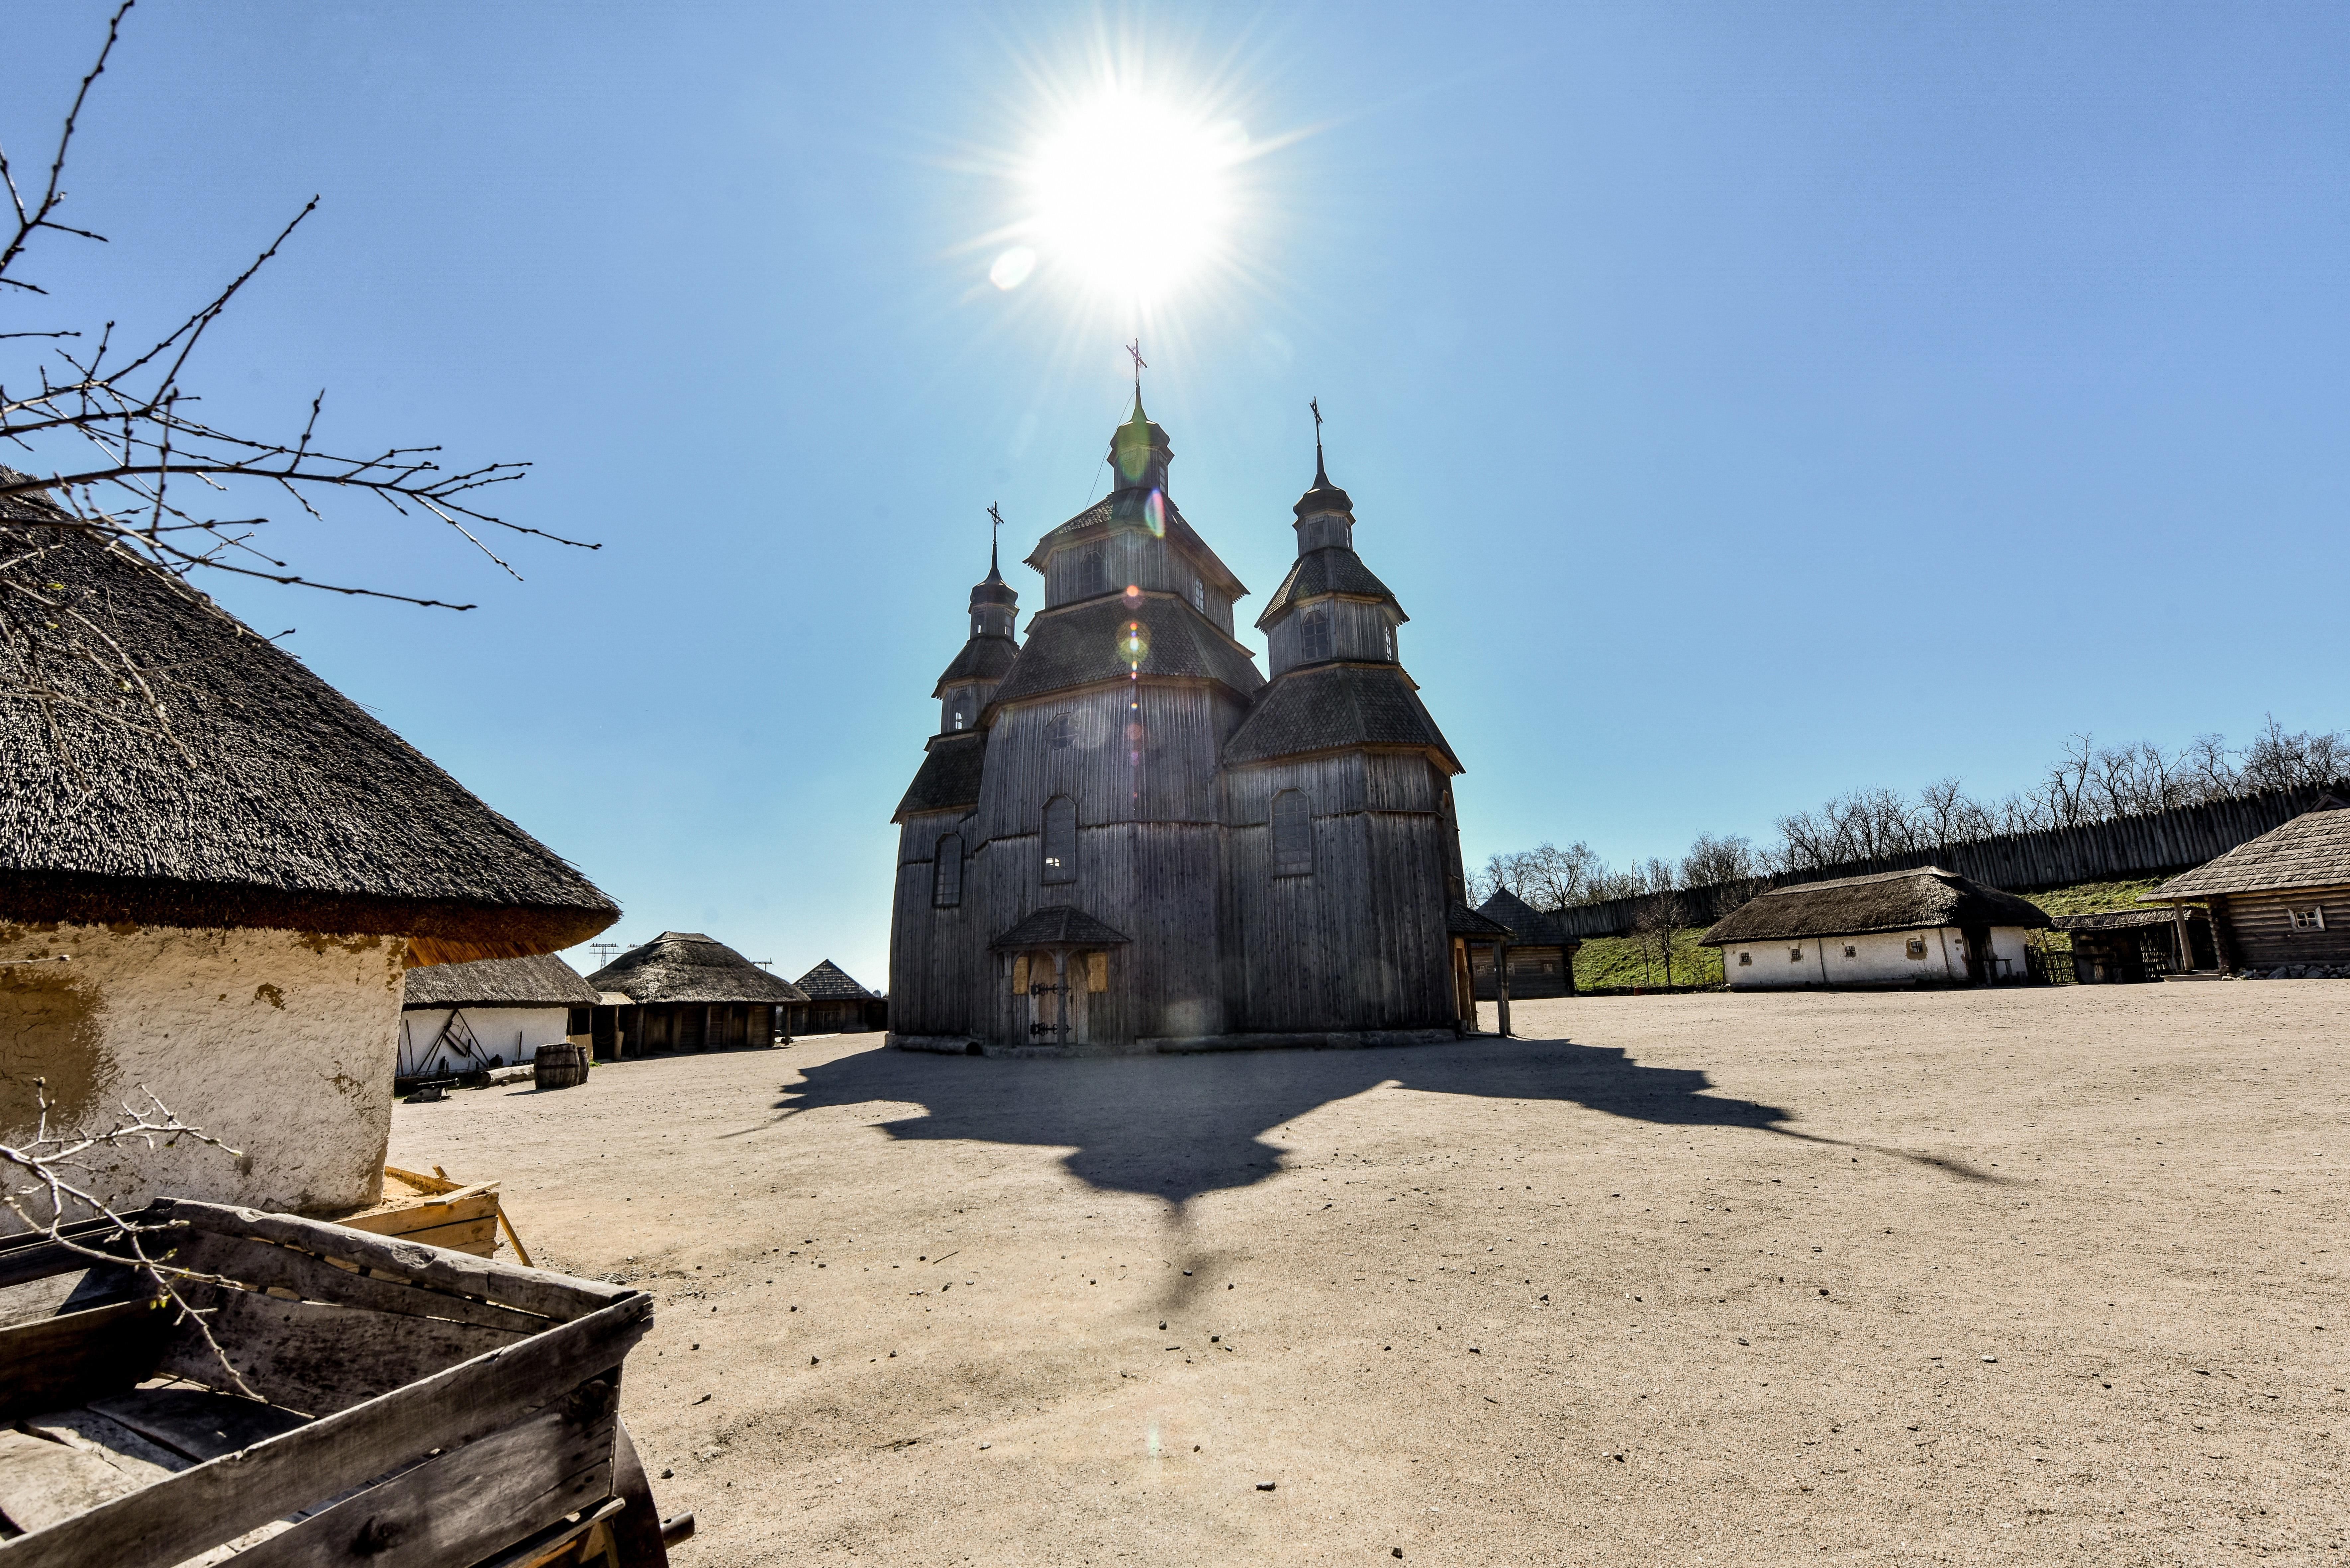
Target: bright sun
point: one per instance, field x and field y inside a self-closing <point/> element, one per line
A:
<point x="1133" y="194"/>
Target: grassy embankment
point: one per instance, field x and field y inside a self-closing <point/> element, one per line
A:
<point x="1606" y="963"/>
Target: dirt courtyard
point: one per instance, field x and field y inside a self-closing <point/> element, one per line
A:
<point x="2021" y="1276"/>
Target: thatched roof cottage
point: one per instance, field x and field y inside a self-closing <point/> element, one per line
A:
<point x="2281" y="902"/>
<point x="237" y="903"/>
<point x="837" y="1004"/>
<point x="689" y="992"/>
<point x="492" y="1013"/>
<point x="1925" y="926"/>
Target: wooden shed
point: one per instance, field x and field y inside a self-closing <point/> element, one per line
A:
<point x="689" y="992"/>
<point x="1541" y="954"/>
<point x="2281" y="903"/>
<point x="229" y="916"/>
<point x="1921" y="927"/>
<point x="492" y="1013"/>
<point x="2117" y="947"/>
<point x="836" y="1005"/>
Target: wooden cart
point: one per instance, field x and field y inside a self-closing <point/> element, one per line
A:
<point x="418" y="1408"/>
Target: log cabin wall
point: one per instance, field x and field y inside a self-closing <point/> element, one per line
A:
<point x="1360" y="941"/>
<point x="2262" y="935"/>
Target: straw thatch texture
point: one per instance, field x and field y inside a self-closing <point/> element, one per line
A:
<point x="688" y="967"/>
<point x="297" y="811"/>
<point x="1889" y="901"/>
<point x="1328" y="707"/>
<point x="2312" y="850"/>
<point x="544" y="981"/>
<point x="827" y="981"/>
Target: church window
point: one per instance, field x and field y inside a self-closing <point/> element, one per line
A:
<point x="1090" y="580"/>
<point x="1293" y="834"/>
<point x="1060" y="839"/>
<point x="946" y="873"/>
<point x="1313" y="636"/>
<point x="1061" y="732"/>
<point x="1199" y="595"/>
<point x="1391" y="642"/>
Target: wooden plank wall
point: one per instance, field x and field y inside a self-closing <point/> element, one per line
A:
<point x="2261" y="933"/>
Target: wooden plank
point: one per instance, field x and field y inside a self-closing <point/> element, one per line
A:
<point x="532" y="1290"/>
<point x="314" y="1357"/>
<point x="467" y="1503"/>
<point x="424" y="1214"/>
<point x="475" y="1234"/>
<point x="51" y="1363"/>
<point x="266" y="1266"/>
<point x="197" y="1422"/>
<point x="95" y="1433"/>
<point x="44" y="1484"/>
<point x="243" y="1491"/>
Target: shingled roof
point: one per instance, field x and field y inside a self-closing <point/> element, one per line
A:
<point x="827" y="981"/>
<point x="293" y="809"/>
<point x="1887" y="901"/>
<point x="948" y="779"/>
<point x="1461" y="920"/>
<point x="982" y="659"/>
<point x="1333" y="569"/>
<point x="688" y="967"/>
<point x="1532" y="925"/>
<point x="1330" y="707"/>
<point x="1060" y="926"/>
<point x="1180" y="532"/>
<point x="1079" y="644"/>
<point x="544" y="981"/>
<point x="2312" y="850"/>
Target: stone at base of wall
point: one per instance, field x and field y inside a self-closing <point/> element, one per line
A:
<point x="1186" y="1045"/>
<point x="2297" y="971"/>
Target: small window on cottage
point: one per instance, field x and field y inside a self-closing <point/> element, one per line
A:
<point x="1745" y="960"/>
<point x="1199" y="595"/>
<point x="946" y="873"/>
<point x="1060" y="839"/>
<point x="1293" y="834"/>
<point x="1850" y="951"/>
<point x="1794" y="955"/>
<point x="1916" y="947"/>
<point x="1061" y="732"/>
<point x="1313" y="636"/>
<point x="2312" y="919"/>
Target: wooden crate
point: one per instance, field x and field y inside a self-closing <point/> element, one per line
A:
<point x="418" y="1408"/>
<point x="434" y="1209"/>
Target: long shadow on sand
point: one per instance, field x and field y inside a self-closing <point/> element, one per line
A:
<point x="1176" y="1127"/>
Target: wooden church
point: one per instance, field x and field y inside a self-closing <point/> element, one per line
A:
<point x="1123" y="837"/>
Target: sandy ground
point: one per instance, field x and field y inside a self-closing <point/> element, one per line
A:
<point x="2030" y="1277"/>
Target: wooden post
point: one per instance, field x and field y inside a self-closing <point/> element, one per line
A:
<point x="2178" y="928"/>
<point x="1502" y="987"/>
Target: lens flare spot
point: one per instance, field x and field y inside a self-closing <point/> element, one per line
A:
<point x="1133" y="595"/>
<point x="1012" y="268"/>
<point x="1154" y="511"/>
<point x="1133" y="643"/>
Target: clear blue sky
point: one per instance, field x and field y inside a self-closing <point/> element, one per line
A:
<point x="1746" y="402"/>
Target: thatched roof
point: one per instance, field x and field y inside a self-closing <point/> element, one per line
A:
<point x="2118" y="919"/>
<point x="1079" y="644"/>
<point x="1059" y="927"/>
<point x="544" y="981"/>
<point x="827" y="981"/>
<point x="688" y="967"/>
<point x="1331" y="707"/>
<point x="2312" y="850"/>
<point x="1333" y="569"/>
<point x="1888" y="901"/>
<point x="1531" y="926"/>
<point x="293" y="809"/>
<point x="948" y="779"/>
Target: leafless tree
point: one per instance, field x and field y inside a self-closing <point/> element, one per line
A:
<point x="117" y="438"/>
<point x="1660" y="914"/>
<point x="43" y="1192"/>
<point x="1714" y="860"/>
<point x="2276" y="760"/>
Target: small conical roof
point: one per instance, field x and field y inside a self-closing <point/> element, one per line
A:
<point x="1324" y="496"/>
<point x="992" y="589"/>
<point x="689" y="967"/>
<point x="1138" y="452"/>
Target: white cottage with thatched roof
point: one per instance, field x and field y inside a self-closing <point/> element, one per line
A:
<point x="226" y="915"/>
<point x="492" y="1012"/>
<point x="1922" y="927"/>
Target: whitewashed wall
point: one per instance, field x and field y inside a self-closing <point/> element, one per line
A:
<point x="512" y="1033"/>
<point x="280" y="1043"/>
<point x="1880" y="957"/>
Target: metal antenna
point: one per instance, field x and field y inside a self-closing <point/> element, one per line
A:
<point x="603" y="951"/>
<point x="764" y="963"/>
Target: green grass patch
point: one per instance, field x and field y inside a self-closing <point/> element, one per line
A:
<point x="1605" y="962"/>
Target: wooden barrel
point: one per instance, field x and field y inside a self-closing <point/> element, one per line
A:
<point x="559" y="1066"/>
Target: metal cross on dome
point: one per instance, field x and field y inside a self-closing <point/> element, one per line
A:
<point x="994" y="528"/>
<point x="1134" y="351"/>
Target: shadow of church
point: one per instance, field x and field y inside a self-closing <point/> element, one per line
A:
<point x="1174" y="1127"/>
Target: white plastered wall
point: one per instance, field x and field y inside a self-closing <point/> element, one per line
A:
<point x="279" y="1043"/>
<point x="1879" y="958"/>
<point x="511" y="1033"/>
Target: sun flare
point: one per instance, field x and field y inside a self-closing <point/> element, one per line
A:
<point x="1131" y="194"/>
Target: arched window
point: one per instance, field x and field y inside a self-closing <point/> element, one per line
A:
<point x="1293" y="834"/>
<point x="1061" y="732"/>
<point x="1060" y="839"/>
<point x="1313" y="636"/>
<point x="963" y="706"/>
<point x="946" y="873"/>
